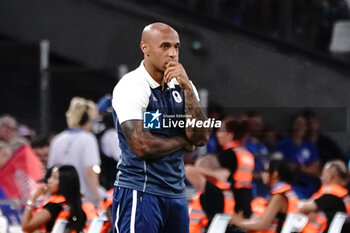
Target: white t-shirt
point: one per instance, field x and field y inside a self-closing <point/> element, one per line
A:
<point x="78" y="148"/>
<point x="110" y="144"/>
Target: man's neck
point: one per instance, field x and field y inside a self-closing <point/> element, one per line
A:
<point x="155" y="73"/>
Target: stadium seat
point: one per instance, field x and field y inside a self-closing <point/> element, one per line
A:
<point x="340" y="42"/>
<point x="59" y="226"/>
<point x="12" y="210"/>
<point x="3" y="223"/>
<point x="294" y="223"/>
<point x="337" y="223"/>
<point x="15" y="229"/>
<point x="97" y="223"/>
<point x="219" y="223"/>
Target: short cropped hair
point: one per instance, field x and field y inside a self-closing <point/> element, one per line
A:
<point x="339" y="168"/>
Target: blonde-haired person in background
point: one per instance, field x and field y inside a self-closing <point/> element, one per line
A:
<point x="77" y="146"/>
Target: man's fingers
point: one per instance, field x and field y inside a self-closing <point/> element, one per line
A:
<point x="170" y="74"/>
<point x="169" y="79"/>
<point x="176" y="70"/>
<point x="171" y="63"/>
<point x="168" y="70"/>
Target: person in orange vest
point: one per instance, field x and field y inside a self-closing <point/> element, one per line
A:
<point x="278" y="175"/>
<point x="64" y="202"/>
<point x="239" y="161"/>
<point x="214" y="193"/>
<point x="329" y="199"/>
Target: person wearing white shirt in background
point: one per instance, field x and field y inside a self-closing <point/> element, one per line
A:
<point x="77" y="146"/>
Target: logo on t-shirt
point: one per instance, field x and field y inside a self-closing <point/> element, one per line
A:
<point x="177" y="96"/>
<point x="305" y="153"/>
<point x="151" y="120"/>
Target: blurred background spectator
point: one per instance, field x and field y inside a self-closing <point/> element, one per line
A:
<point x="41" y="147"/>
<point x="214" y="111"/>
<point x="9" y="132"/>
<point x="5" y="153"/>
<point x="252" y="141"/>
<point x="108" y="140"/>
<point x="327" y="148"/>
<point x="214" y="194"/>
<point x="269" y="138"/>
<point x="20" y="167"/>
<point x="283" y="201"/>
<point x="26" y="132"/>
<point x="63" y="190"/>
<point x="8" y="128"/>
<point x="302" y="153"/>
<point x="331" y="198"/>
<point x="77" y="146"/>
<point x="239" y="161"/>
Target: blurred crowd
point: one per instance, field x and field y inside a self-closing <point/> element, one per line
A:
<point x="258" y="175"/>
<point x="243" y="170"/>
<point x="68" y="174"/>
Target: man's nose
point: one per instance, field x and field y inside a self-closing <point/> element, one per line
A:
<point x="172" y="52"/>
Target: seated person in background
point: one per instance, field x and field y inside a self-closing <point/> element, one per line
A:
<point x="329" y="199"/>
<point x="64" y="189"/>
<point x="5" y="153"/>
<point x="253" y="143"/>
<point x="295" y="149"/>
<point x="9" y="133"/>
<point x="18" y="171"/>
<point x="214" y="111"/>
<point x="278" y="175"/>
<point x="239" y="161"/>
<point x="26" y="132"/>
<point x="41" y="147"/>
<point x="270" y="137"/>
<point x="214" y="193"/>
<point x="8" y="128"/>
<point x="327" y="148"/>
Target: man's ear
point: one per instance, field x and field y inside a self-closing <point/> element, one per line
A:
<point x="144" y="47"/>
